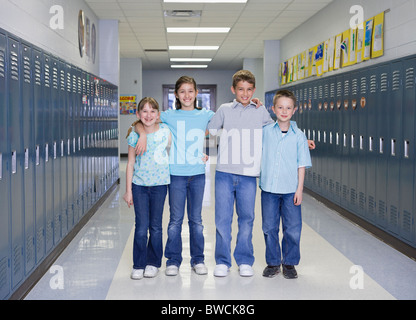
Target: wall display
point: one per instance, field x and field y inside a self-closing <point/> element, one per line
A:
<point x="364" y="42"/>
<point x="81" y="33"/>
<point x="128" y="104"/>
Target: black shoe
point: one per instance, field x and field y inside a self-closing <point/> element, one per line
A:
<point x="289" y="272"/>
<point x="271" y="271"/>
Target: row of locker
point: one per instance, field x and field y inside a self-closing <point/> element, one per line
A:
<point x="363" y="123"/>
<point x="58" y="153"/>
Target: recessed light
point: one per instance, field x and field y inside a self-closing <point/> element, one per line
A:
<point x="194" y="47"/>
<point x="205" y="1"/>
<point x="190" y="59"/>
<point x="198" y="30"/>
<point x="189" y="66"/>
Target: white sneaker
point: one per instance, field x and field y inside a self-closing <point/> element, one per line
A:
<point x="221" y="270"/>
<point x="200" y="269"/>
<point x="172" y="271"/>
<point x="137" y="274"/>
<point x="246" y="270"/>
<point x="150" y="272"/>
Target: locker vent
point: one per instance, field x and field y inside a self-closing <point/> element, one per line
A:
<point x="26" y="70"/>
<point x="3" y="274"/>
<point x="62" y="80"/>
<point x="326" y="91"/>
<point x="39" y="239"/>
<point x="353" y="196"/>
<point x="17" y="260"/>
<point x="396" y="80"/>
<point x="29" y="249"/>
<point x="382" y="210"/>
<point x="373" y="84"/>
<point x="371" y="205"/>
<point x="2" y="64"/>
<point x="14" y="66"/>
<point x="55" y="78"/>
<point x="361" y="201"/>
<point x="347" y="87"/>
<point x="410" y="77"/>
<point x="339" y="89"/>
<point x="344" y="192"/>
<point x="363" y="85"/>
<point x="332" y="90"/>
<point x="407" y="221"/>
<point x="354" y="87"/>
<point x="38" y="73"/>
<point x="47" y="76"/>
<point x="394" y="217"/>
<point x="384" y="84"/>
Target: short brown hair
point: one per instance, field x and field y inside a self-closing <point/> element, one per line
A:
<point x="286" y="94"/>
<point x="244" y="75"/>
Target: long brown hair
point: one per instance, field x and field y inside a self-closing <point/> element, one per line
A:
<point x="179" y="83"/>
<point x="147" y="100"/>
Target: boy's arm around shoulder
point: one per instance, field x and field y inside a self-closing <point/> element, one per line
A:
<point x="217" y="121"/>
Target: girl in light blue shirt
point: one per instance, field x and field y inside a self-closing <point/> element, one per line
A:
<point x="148" y="177"/>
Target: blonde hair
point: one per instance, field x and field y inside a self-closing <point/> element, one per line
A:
<point x="147" y="100"/>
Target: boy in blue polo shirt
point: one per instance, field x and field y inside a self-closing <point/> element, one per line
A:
<point x="285" y="158"/>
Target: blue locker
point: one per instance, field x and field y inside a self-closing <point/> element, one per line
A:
<point x="5" y="158"/>
<point x="57" y="127"/>
<point x="17" y="160"/>
<point x="408" y="156"/>
<point x="69" y="145"/>
<point x="84" y="132"/>
<point x="362" y="144"/>
<point x="77" y="148"/>
<point x="354" y="113"/>
<point x="372" y="153"/>
<point x="383" y="147"/>
<point x="345" y="140"/>
<point x="395" y="137"/>
<point x="39" y="143"/>
<point x="336" y="141"/>
<point x="31" y="157"/>
<point x="49" y="82"/>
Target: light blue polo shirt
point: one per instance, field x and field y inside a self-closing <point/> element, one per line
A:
<point x="188" y="135"/>
<point x="282" y="156"/>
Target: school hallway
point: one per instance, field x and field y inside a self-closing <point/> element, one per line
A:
<point x="334" y="253"/>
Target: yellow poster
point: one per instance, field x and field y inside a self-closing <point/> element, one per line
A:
<point x="368" y="39"/>
<point x="353" y="47"/>
<point x="319" y="58"/>
<point x="378" y="36"/>
<point x="338" y="52"/>
<point x="345" y="48"/>
<point x="360" y="42"/>
<point x="127" y="104"/>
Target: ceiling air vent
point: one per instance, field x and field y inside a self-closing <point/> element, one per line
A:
<point x="156" y="50"/>
<point x="183" y="13"/>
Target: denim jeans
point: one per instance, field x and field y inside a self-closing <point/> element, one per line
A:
<point x="230" y="188"/>
<point x="189" y="190"/>
<point x="274" y="207"/>
<point x="148" y="207"/>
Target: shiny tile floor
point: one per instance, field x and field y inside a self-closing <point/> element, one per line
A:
<point x="339" y="261"/>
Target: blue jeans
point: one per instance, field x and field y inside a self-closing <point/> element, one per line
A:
<point x="274" y="207"/>
<point x="230" y="188"/>
<point x="183" y="190"/>
<point x="148" y="207"/>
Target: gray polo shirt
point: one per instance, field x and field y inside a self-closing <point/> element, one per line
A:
<point x="241" y="132"/>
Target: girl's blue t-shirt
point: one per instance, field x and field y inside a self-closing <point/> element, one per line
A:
<point x="188" y="135"/>
<point x="152" y="168"/>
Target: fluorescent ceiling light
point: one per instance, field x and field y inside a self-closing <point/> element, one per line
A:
<point x="194" y="47"/>
<point x="198" y="30"/>
<point x="190" y="59"/>
<point x="205" y="1"/>
<point x="189" y="66"/>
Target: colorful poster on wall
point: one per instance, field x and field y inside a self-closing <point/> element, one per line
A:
<point x="360" y="42"/>
<point x="329" y="51"/>
<point x="345" y="48"/>
<point x="337" y="61"/>
<point x="378" y="42"/>
<point x="353" y="47"/>
<point x="368" y="39"/>
<point x="127" y="105"/>
<point x="319" y="58"/>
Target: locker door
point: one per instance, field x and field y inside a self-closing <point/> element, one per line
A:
<point x="383" y="147"/>
<point x="77" y="148"/>
<point x="362" y="143"/>
<point x="330" y="131"/>
<point x="307" y="106"/>
<point x="39" y="126"/>
<point x="84" y="129"/>
<point x="408" y="157"/>
<point x="4" y="175"/>
<point x="17" y="160"/>
<point x="63" y="150"/>
<point x="337" y="139"/>
<point x="49" y="83"/>
<point x="345" y="140"/>
<point x="69" y="145"/>
<point x="354" y="115"/>
<point x="395" y="138"/>
<point x="315" y="113"/>
<point x="371" y="158"/>
<point x="31" y="158"/>
<point x="56" y="126"/>
<point x="322" y="137"/>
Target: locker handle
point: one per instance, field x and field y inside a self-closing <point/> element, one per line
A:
<point x="371" y="141"/>
<point x="26" y="158"/>
<point x="381" y="145"/>
<point x="361" y="142"/>
<point x="1" y="166"/>
<point x="406" y="148"/>
<point x="37" y="156"/>
<point x="14" y="162"/>
<point x="393" y="147"/>
<point x="47" y="153"/>
<point x="337" y="138"/>
<point x="54" y="150"/>
<point x="352" y="141"/>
